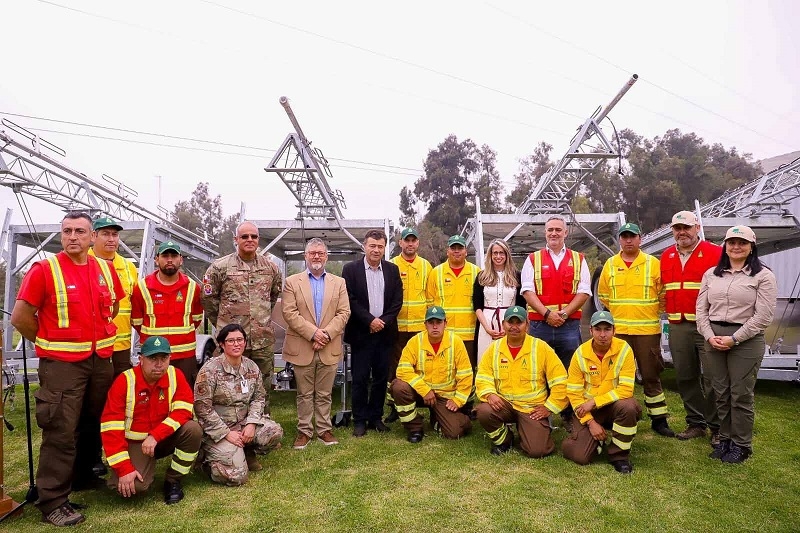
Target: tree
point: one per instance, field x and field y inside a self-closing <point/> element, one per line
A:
<point x="488" y="187"/>
<point x="408" y="210"/>
<point x="531" y="169"/>
<point x="224" y="239"/>
<point x="201" y="214"/>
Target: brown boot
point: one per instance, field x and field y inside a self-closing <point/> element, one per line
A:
<point x="252" y="461"/>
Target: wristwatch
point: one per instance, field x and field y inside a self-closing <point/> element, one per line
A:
<point x="735" y="342"/>
<point x="563" y="314"/>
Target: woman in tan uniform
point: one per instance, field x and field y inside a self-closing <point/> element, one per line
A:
<point x="735" y="305"/>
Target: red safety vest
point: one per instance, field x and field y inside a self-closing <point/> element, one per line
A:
<point x="171" y="311"/>
<point x="72" y="322"/>
<point x="555" y="287"/>
<point x="682" y="283"/>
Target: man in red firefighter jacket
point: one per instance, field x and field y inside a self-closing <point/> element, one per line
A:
<point x="167" y="303"/>
<point x="148" y="415"/>
<point x="682" y="267"/>
<point x="66" y="306"/>
<point x="556" y="283"/>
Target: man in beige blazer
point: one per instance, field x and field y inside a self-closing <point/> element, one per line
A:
<point x="316" y="309"/>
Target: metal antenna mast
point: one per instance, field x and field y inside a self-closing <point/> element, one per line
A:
<point x="304" y="172"/>
<point x="589" y="148"/>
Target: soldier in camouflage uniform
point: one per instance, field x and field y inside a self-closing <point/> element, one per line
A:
<point x="242" y="288"/>
<point x="229" y="404"/>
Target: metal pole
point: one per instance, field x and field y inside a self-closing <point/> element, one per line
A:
<point x="620" y="94"/>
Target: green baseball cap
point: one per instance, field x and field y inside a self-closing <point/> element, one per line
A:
<point x="456" y="239"/>
<point x="434" y="312"/>
<point x="105" y="222"/>
<point x="408" y="231"/>
<point x="169" y="245"/>
<point x="155" y="345"/>
<point x="601" y="316"/>
<point x="630" y="228"/>
<point x="516" y="312"/>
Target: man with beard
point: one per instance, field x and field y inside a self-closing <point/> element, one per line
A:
<point x="167" y="303"/>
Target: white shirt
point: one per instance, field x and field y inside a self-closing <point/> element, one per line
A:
<point x="584" y="284"/>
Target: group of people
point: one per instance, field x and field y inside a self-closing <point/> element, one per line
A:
<point x="498" y="346"/>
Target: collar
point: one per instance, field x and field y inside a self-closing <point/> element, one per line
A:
<point x="367" y="266"/>
<point x="562" y="251"/>
<point x="311" y="275"/>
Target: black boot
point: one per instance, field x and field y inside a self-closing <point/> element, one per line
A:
<point x="394" y="416"/>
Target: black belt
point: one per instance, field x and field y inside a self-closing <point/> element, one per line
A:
<point x="726" y="324"/>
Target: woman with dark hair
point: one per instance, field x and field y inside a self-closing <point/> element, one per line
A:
<point x="496" y="289"/>
<point x="735" y="305"/>
<point x="229" y="404"/>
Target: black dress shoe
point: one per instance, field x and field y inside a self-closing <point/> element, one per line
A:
<point x="359" y="429"/>
<point x="661" y="427"/>
<point x="415" y="437"/>
<point x="379" y="426"/>
<point x="99" y="469"/>
<point x="623" y="467"/>
<point x="88" y="483"/>
<point x="173" y="492"/>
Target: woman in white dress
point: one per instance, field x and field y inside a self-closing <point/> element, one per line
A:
<point x="496" y="289"/>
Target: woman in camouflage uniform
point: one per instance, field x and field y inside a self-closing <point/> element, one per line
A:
<point x="229" y="404"/>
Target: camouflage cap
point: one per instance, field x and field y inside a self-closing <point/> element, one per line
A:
<point x="155" y="345"/>
<point x="105" y="222"/>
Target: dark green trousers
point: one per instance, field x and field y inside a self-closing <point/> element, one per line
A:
<point x="733" y="376"/>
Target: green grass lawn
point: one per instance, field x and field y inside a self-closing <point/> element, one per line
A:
<point x="383" y="483"/>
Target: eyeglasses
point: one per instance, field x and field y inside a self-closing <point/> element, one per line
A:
<point x="253" y="236"/>
<point x="238" y="340"/>
<point x="316" y="254"/>
<point x="498" y="253"/>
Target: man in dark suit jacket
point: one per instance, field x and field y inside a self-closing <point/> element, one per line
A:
<point x="376" y="296"/>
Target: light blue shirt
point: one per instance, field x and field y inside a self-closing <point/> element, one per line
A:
<point x="317" y="292"/>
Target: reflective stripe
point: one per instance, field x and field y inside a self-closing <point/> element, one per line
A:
<point x="185" y="456"/>
<point x="655" y="399"/>
<point x="118" y="458"/>
<point x="63" y="346"/>
<point x="177" y="404"/>
<point x="61" y="292"/>
<point x="623" y="430"/>
<point x="620" y="444"/>
<point x="179" y="468"/>
<point x="655" y="411"/>
<point x="499" y="435"/>
<point x="112" y="425"/>
<point x="171" y="422"/>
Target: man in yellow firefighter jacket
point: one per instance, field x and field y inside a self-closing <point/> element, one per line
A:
<point x="414" y="272"/>
<point x="600" y="389"/>
<point x="434" y="371"/>
<point x="148" y="415"/>
<point x="520" y="380"/>
<point x="105" y="243"/>
<point x="630" y="287"/>
<point x="450" y="286"/>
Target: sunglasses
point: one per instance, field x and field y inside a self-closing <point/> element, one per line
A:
<point x="253" y="236"/>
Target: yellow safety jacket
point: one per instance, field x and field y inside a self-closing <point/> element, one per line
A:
<point x="447" y="373"/>
<point x="535" y="377"/>
<point x="454" y="294"/>
<point x="127" y="273"/>
<point x="606" y="381"/>
<point x="633" y="295"/>
<point x="415" y="276"/>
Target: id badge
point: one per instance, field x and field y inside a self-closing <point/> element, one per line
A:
<point x="245" y="388"/>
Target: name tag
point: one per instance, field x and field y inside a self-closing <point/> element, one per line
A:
<point x="245" y="387"/>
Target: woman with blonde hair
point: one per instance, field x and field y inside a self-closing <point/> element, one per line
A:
<point x="496" y="289"/>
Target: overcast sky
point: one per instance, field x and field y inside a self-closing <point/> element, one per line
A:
<point x="380" y="84"/>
